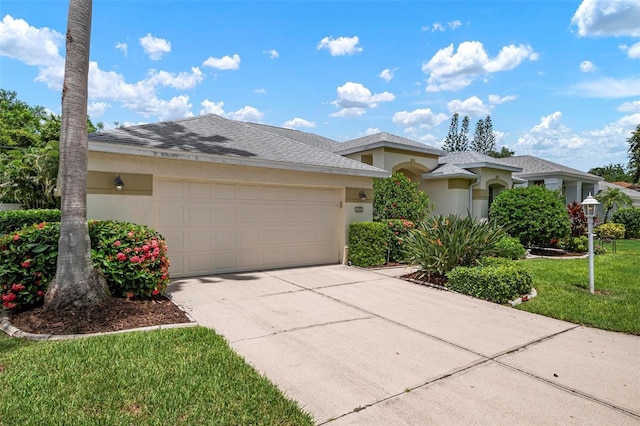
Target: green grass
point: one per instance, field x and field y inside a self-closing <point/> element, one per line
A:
<point x="170" y="377"/>
<point x="563" y="289"/>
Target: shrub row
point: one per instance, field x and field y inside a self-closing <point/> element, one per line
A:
<point x="132" y="257"/>
<point x="12" y="220"/>
<point x="610" y="230"/>
<point x="496" y="281"/>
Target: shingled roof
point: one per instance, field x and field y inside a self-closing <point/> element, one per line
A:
<point x="533" y="166"/>
<point x="214" y="138"/>
<point x="471" y="159"/>
<point x="384" y="139"/>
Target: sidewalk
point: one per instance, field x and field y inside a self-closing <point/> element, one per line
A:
<point x="358" y="346"/>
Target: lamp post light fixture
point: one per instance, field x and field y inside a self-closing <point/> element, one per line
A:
<point x="590" y="209"/>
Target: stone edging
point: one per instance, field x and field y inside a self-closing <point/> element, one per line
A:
<point x="9" y="329"/>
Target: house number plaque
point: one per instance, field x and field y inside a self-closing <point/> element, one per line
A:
<point x="359" y="209"/>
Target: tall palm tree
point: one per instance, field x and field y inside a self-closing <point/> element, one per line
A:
<point x="612" y="197"/>
<point x="76" y="282"/>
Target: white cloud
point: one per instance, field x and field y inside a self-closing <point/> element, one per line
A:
<point x="155" y="47"/>
<point x="209" y="107"/>
<point x="371" y="131"/>
<point x="355" y="99"/>
<point x="97" y="109"/>
<point x="449" y="70"/>
<point x="549" y="136"/>
<point x="632" y="106"/>
<point x="273" y="53"/>
<point x="224" y="63"/>
<point x="587" y="66"/>
<point x="298" y="122"/>
<point x="246" y="113"/>
<point x="340" y="46"/>
<point x="34" y="46"/>
<point x="472" y="106"/>
<point x="436" y="26"/>
<point x="41" y="47"/>
<point x="180" y="81"/>
<point x="423" y="117"/>
<point x="123" y="48"/>
<point x="608" y="87"/>
<point x="633" y="51"/>
<point x="619" y="129"/>
<point x="260" y="91"/>
<point x="497" y="100"/>
<point x="387" y="74"/>
<point x="602" y="18"/>
<point x="454" y="24"/>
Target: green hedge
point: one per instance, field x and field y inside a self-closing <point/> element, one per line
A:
<point x="496" y="282"/>
<point x="368" y="243"/>
<point x="132" y="257"/>
<point x="510" y="248"/>
<point x="610" y="230"/>
<point x="630" y="218"/>
<point x="13" y="220"/>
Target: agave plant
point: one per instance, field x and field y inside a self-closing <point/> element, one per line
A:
<point x="443" y="242"/>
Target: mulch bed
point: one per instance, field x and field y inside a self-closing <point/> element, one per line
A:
<point x="554" y="253"/>
<point x="436" y="279"/>
<point x="113" y="315"/>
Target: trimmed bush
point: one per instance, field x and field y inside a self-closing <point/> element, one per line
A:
<point x="132" y="258"/>
<point x="576" y="244"/>
<point x="510" y="248"/>
<point x="630" y="218"/>
<point x="398" y="232"/>
<point x="368" y="243"/>
<point x="534" y="215"/>
<point x="12" y="220"/>
<point x="398" y="198"/>
<point x="611" y="230"/>
<point x="496" y="283"/>
<point x="443" y="242"/>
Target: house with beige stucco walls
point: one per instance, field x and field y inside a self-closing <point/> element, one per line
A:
<point x="234" y="196"/>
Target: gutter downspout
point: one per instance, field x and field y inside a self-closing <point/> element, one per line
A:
<point x="471" y="187"/>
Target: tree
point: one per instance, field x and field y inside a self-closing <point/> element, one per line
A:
<point x="452" y="137"/>
<point x="484" y="141"/>
<point x="612" y="173"/>
<point x="20" y="123"/>
<point x="397" y="197"/>
<point x="457" y="139"/>
<point x="76" y="283"/>
<point x="612" y="197"/>
<point x="634" y="155"/>
<point x="505" y="152"/>
<point x="463" y="138"/>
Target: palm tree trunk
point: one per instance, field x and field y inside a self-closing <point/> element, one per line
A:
<point x="76" y="283"/>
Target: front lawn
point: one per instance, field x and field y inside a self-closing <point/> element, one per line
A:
<point x="563" y="289"/>
<point x="180" y="376"/>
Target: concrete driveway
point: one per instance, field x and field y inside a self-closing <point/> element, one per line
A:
<point x="356" y="346"/>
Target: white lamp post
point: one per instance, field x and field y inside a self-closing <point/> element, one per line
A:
<point x="590" y="209"/>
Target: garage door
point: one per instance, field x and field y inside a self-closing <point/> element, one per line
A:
<point x="214" y="227"/>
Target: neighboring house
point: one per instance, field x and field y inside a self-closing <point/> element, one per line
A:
<point x="575" y="184"/>
<point x="233" y="196"/>
<point x="626" y="188"/>
<point x="461" y="183"/>
<point x="230" y="196"/>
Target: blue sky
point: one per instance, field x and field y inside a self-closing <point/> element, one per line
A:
<point x="560" y="79"/>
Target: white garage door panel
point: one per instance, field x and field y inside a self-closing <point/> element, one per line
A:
<point x="214" y="227"/>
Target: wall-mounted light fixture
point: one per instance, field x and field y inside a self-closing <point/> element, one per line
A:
<point x="119" y="184"/>
<point x="363" y="196"/>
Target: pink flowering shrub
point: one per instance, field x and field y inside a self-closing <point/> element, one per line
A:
<point x="132" y="257"/>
